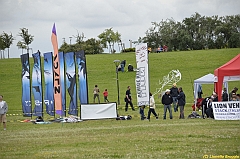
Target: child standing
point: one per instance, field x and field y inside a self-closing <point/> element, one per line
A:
<point x="105" y="94"/>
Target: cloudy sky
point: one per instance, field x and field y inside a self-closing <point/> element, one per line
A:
<point x="131" y="18"/>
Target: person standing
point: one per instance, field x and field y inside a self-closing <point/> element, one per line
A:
<point x="167" y="101"/>
<point x="105" y="95"/>
<point x="128" y="99"/>
<point x="3" y="111"/>
<point x="123" y="63"/>
<point x="152" y="107"/>
<point x="235" y="89"/>
<point x="96" y="92"/>
<point x="141" y="112"/>
<point x="174" y="94"/>
<point x="224" y="95"/>
<point x="199" y="91"/>
<point x="181" y="102"/>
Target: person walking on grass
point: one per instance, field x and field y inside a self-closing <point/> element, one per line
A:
<point x="3" y="111"/>
<point x="152" y="107"/>
<point x="128" y="99"/>
<point x="105" y="95"/>
<point x="167" y="101"/>
<point x="96" y="92"/>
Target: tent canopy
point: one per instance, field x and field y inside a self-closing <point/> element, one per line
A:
<point x="231" y="68"/>
<point x="211" y="79"/>
<point x="206" y="79"/>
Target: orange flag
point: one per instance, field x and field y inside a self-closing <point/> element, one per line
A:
<point x="56" y="74"/>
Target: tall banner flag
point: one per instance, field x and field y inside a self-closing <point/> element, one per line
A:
<point x="37" y="85"/>
<point x="48" y="76"/>
<point x="142" y="79"/>
<point x="82" y="77"/>
<point x="56" y="73"/>
<point x="71" y="82"/>
<point x="26" y="87"/>
<point x="62" y="82"/>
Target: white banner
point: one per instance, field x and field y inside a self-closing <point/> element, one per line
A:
<point x="226" y="110"/>
<point x="98" y="111"/>
<point x="142" y="83"/>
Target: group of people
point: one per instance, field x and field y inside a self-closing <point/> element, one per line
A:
<point x="96" y="92"/>
<point x="128" y="100"/>
<point x="162" y="49"/>
<point x="173" y="96"/>
<point x="232" y="96"/>
<point x="207" y="110"/>
<point x="176" y="97"/>
<point x="122" y="66"/>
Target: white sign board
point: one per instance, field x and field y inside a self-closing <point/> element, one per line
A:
<point x="98" y="111"/>
<point x="226" y="110"/>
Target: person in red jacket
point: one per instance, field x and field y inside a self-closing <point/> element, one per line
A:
<point x="105" y="95"/>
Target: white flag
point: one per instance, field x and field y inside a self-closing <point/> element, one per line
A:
<point x="142" y="82"/>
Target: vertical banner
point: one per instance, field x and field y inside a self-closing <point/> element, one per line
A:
<point x="26" y="89"/>
<point x="48" y="76"/>
<point x="71" y="82"/>
<point x="56" y="74"/>
<point x="62" y="82"/>
<point x="142" y="80"/>
<point x="82" y="77"/>
<point x="37" y="85"/>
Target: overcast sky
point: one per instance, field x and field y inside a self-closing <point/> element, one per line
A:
<point x="131" y="18"/>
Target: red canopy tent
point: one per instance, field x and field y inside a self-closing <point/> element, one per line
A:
<point x="231" y="68"/>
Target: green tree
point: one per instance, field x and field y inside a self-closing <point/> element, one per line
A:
<point x="108" y="38"/>
<point x="7" y="39"/>
<point x="27" y="39"/>
<point x="20" y="45"/>
<point x="79" y="41"/>
<point x="93" y="46"/>
<point x="153" y="35"/>
<point x="2" y="47"/>
<point x="65" y="47"/>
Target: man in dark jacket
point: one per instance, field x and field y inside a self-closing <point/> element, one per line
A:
<point x="181" y="102"/>
<point x="204" y="106"/>
<point x="224" y="95"/>
<point x="207" y="103"/>
<point x="130" y="68"/>
<point x="167" y="100"/>
<point x="174" y="94"/>
<point x="128" y="99"/>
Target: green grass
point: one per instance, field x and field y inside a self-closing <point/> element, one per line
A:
<point x="189" y="138"/>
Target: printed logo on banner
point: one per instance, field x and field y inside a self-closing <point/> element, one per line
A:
<point x="142" y="78"/>
<point x="26" y="89"/>
<point x="226" y="110"/>
<point x="141" y="82"/>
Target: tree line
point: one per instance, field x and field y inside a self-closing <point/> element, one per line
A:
<point x="6" y="40"/>
<point x="194" y="33"/>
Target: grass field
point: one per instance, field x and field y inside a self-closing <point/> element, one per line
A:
<point x="189" y="138"/>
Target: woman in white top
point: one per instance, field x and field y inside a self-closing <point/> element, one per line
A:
<point x="152" y="107"/>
